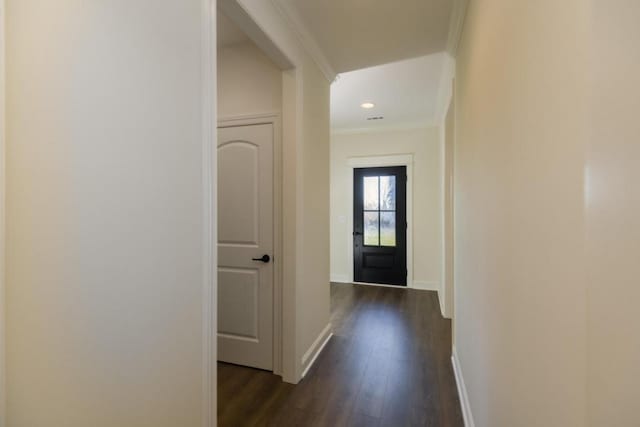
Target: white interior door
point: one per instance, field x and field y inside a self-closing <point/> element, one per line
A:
<point x="245" y="236"/>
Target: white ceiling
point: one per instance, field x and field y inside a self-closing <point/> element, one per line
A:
<point x="228" y="33"/>
<point x="405" y="93"/>
<point x="355" y="34"/>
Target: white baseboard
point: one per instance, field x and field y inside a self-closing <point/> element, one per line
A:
<point x="309" y="358"/>
<point x="442" y="307"/>
<point x="339" y="278"/>
<point x="426" y="286"/>
<point x="462" y="391"/>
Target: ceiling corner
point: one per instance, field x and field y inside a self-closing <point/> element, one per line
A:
<point x="308" y="42"/>
<point x="456" y="24"/>
<point x="445" y="87"/>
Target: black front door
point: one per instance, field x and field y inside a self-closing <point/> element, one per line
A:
<point x="380" y="225"/>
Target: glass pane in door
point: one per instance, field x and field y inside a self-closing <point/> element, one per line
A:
<point x="387" y="228"/>
<point x="371" y="188"/>
<point x="371" y="237"/>
<point x="387" y="193"/>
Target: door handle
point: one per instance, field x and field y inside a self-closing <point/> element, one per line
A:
<point x="357" y="233"/>
<point x="264" y="258"/>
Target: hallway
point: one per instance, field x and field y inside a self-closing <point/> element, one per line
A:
<point x="388" y="364"/>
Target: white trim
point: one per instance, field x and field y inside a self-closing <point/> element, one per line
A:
<point x="441" y="300"/>
<point x="209" y="215"/>
<point x="316" y="348"/>
<point x="456" y="25"/>
<point x="339" y="278"/>
<point x="382" y="161"/>
<point x="249" y="119"/>
<point x="292" y="86"/>
<point x="278" y="240"/>
<point x="275" y="119"/>
<point x="375" y="161"/>
<point x="386" y="128"/>
<point x="426" y="285"/>
<point x="3" y="385"/>
<point x="306" y="39"/>
<point x="443" y="210"/>
<point x="447" y="163"/>
<point x="445" y="97"/>
<point x="462" y="391"/>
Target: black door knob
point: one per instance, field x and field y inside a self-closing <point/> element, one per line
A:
<point x="357" y="233"/>
<point x="265" y="259"/>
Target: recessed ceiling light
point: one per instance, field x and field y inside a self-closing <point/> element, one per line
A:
<point x="367" y="105"/>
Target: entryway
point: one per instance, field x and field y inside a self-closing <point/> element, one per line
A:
<point x="251" y="118"/>
<point x="380" y="225"/>
<point x="259" y="82"/>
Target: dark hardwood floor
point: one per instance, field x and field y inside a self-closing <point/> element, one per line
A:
<point x="388" y="364"/>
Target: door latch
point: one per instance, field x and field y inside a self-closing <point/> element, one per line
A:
<point x="264" y="258"/>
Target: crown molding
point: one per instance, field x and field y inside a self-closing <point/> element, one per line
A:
<point x="308" y="42"/>
<point x="456" y="24"/>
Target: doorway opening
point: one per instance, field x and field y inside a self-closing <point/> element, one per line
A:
<point x="375" y="123"/>
<point x="246" y="243"/>
<point x="380" y="225"/>
<point x="254" y="93"/>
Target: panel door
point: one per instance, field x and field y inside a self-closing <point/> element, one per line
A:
<point x="245" y="245"/>
<point x="380" y="225"/>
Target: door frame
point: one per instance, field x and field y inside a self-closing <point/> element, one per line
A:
<point x="2" y="219"/>
<point x="373" y="162"/>
<point x="273" y="118"/>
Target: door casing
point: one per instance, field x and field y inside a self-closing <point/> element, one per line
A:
<point x="383" y="161"/>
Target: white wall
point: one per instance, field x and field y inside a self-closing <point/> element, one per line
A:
<point x="105" y="205"/>
<point x="613" y="215"/>
<point x="520" y="298"/>
<point x="424" y="145"/>
<point x="313" y="250"/>
<point x="552" y="301"/>
<point x="248" y="81"/>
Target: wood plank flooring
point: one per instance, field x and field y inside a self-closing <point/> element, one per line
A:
<point x="388" y="364"/>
